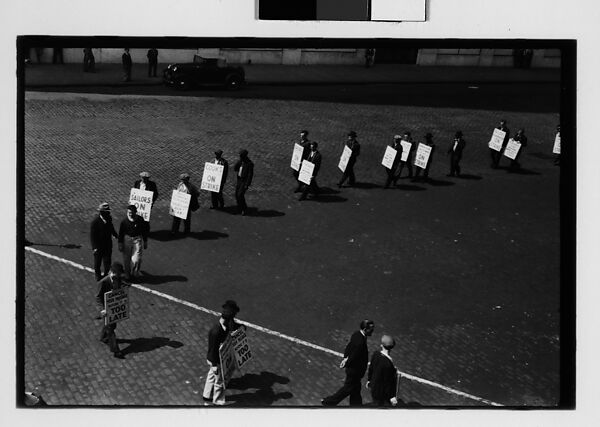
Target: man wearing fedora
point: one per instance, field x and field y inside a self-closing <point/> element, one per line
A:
<point x="112" y="281"/>
<point x="348" y="174"/>
<point x="144" y="183"/>
<point x="185" y="186"/>
<point x="133" y="235"/>
<point x="214" y="388"/>
<point x="102" y="231"/>
<point x="217" y="201"/>
<point x="244" y="168"/>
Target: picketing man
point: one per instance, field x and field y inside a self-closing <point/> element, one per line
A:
<point x="102" y="231"/>
<point x="496" y="155"/>
<point x="557" y="159"/>
<point x="217" y="200"/>
<point x="133" y="239"/>
<point x="315" y="158"/>
<point x="348" y="174"/>
<point x="429" y="143"/>
<point x="409" y="159"/>
<point x="456" y="150"/>
<point x="356" y="358"/>
<point x="305" y="144"/>
<point x="185" y="186"/>
<point x="392" y="175"/>
<point x="244" y="169"/>
<point x="144" y="183"/>
<point x="112" y="282"/>
<point x="382" y="374"/>
<point x="521" y="139"/>
<point x="214" y="388"/>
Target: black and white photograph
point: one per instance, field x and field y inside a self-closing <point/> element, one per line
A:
<point x="380" y="226"/>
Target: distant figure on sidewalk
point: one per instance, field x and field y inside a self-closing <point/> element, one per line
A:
<point x="315" y="158"/>
<point x="496" y="155"/>
<point x="127" y="65"/>
<point x="244" y="169"/>
<point x="39" y="52"/>
<point x="348" y="174"/>
<point x="356" y="358"/>
<point x="382" y="376"/>
<point x="369" y="57"/>
<point x="133" y="238"/>
<point x="113" y="281"/>
<point x="152" y="56"/>
<point x="305" y="144"/>
<point x="392" y="176"/>
<point x="409" y="160"/>
<point x="57" y="55"/>
<point x="185" y="186"/>
<point x="521" y="139"/>
<point x="456" y="149"/>
<point x="429" y="143"/>
<point x="216" y="199"/>
<point x="89" y="63"/>
<point x="214" y="388"/>
<point x="102" y="231"/>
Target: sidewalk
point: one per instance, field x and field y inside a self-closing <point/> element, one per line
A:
<point x="40" y="75"/>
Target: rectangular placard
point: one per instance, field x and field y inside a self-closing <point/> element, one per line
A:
<point x="497" y="140"/>
<point x="512" y="149"/>
<point x="556" y="148"/>
<point x="388" y="157"/>
<point x="406" y="146"/>
<point x="306" y="172"/>
<point x="116" y="304"/>
<point x="422" y="156"/>
<point x="142" y="199"/>
<point x="345" y="158"/>
<point x="180" y="202"/>
<point x="297" y="157"/>
<point x="212" y="176"/>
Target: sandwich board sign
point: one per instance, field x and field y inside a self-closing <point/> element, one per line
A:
<point x="212" y="177"/>
<point x="497" y="140"/>
<point x="180" y="202"/>
<point x="142" y="199"/>
<point x="388" y="157"/>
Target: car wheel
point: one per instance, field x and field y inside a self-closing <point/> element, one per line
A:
<point x="233" y="82"/>
<point x="181" y="84"/>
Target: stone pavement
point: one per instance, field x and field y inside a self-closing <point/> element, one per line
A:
<point x="165" y="347"/>
<point x="40" y="75"/>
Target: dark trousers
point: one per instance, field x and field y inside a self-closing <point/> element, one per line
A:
<point x="295" y="174"/>
<point x="313" y="188"/>
<point x="495" y="156"/>
<point x="89" y="64"/>
<point x="57" y="55"/>
<point x="187" y="223"/>
<point x="127" y="74"/>
<point x="240" y="191"/>
<point x="350" y="388"/>
<point x="348" y="175"/>
<point x="425" y="171"/>
<point x="408" y="164"/>
<point x="108" y="336"/>
<point x="102" y="256"/>
<point x="216" y="199"/>
<point x="152" y="69"/>
<point x="391" y="176"/>
<point x="454" y="165"/>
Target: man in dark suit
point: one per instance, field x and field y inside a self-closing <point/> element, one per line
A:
<point x="127" y="64"/>
<point x="409" y="160"/>
<point x="348" y="174"/>
<point x="112" y="281"/>
<point x="314" y="157"/>
<point x="521" y="139"/>
<point x="455" y="151"/>
<point x="391" y="173"/>
<point x="152" y="56"/>
<point x="356" y="358"/>
<point x="144" y="183"/>
<point x="244" y="169"/>
<point x="185" y="186"/>
<point x="217" y="201"/>
<point x="102" y="231"/>
<point x="496" y="155"/>
<point x="382" y="377"/>
<point x="428" y="142"/>
<point x="214" y="388"/>
<point x="305" y="144"/>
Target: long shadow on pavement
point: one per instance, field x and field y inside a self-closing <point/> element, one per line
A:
<point x="439" y="182"/>
<point x="468" y="176"/>
<point x="141" y="345"/>
<point x="66" y="246"/>
<point x="264" y="395"/>
<point x="166" y="236"/>
<point x="409" y="187"/>
<point x="520" y="171"/>
<point x="151" y="279"/>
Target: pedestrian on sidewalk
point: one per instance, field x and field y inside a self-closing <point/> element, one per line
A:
<point x="127" y="65"/>
<point x="429" y="143"/>
<point x="356" y="357"/>
<point x="89" y="63"/>
<point x="409" y="160"/>
<point x="496" y="155"/>
<point x="456" y="149"/>
<point x="214" y="387"/>
<point x="113" y="281"/>
<point x="57" y="55"/>
<point x="305" y="144"/>
<point x="369" y="57"/>
<point x="102" y="231"/>
<point x="382" y="375"/>
<point x="133" y="238"/>
<point x="315" y="158"/>
<point x="152" y="56"/>
<point x="521" y="139"/>
<point x="392" y="176"/>
<point x="348" y="174"/>
<point x="244" y="168"/>
<point x="39" y="52"/>
<point x="185" y="186"/>
<point x="216" y="198"/>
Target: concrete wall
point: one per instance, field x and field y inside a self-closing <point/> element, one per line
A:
<point x="542" y="58"/>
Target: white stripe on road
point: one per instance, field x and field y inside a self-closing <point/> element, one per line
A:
<point x="267" y="331"/>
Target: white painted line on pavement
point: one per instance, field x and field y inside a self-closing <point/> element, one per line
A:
<point x="267" y="331"/>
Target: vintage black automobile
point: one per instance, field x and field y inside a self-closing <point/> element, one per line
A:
<point x="204" y="71"/>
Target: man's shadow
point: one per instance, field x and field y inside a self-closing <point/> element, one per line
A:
<point x="166" y="236"/>
<point x="409" y="187"/>
<point x="264" y="395"/>
<point x="141" y="345"/>
<point x="154" y="279"/>
<point x="66" y="246"/>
